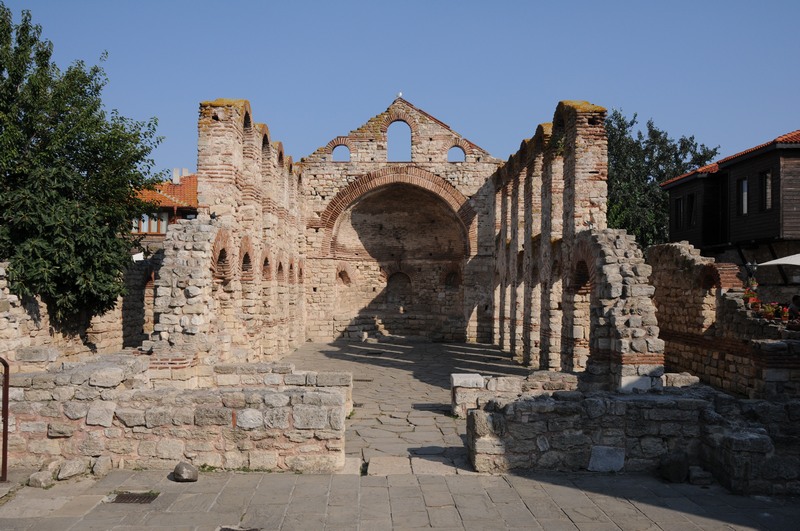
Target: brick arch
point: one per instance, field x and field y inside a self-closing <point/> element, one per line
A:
<point x="718" y="276"/>
<point x="246" y="250"/>
<point x="222" y="243"/>
<point x="463" y="144"/>
<point x="397" y="115"/>
<point x="263" y="132"/>
<point x="278" y="147"/>
<point x="338" y="141"/>
<point x="345" y="273"/>
<point x="394" y="175"/>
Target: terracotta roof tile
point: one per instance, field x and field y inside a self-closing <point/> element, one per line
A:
<point x="169" y="194"/>
<point x="788" y="138"/>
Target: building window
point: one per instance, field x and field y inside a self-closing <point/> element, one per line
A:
<point x="678" y="214"/>
<point x="690" y="211"/>
<point x="151" y="224"/>
<point x="741" y="196"/>
<point x="765" y="185"/>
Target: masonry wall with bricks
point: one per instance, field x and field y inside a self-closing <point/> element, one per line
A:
<point x="709" y="331"/>
<point x="399" y="247"/>
<point x="570" y="294"/>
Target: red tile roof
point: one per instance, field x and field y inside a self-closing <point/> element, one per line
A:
<point x="788" y="138"/>
<point x="169" y="194"/>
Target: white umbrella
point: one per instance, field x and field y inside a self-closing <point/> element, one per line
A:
<point x="786" y="260"/>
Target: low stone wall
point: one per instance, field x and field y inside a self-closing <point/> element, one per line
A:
<point x="570" y="431"/>
<point x="26" y="333"/>
<point x="263" y="417"/>
<point x="470" y="391"/>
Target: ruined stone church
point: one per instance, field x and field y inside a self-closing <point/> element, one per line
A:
<point x="478" y="250"/>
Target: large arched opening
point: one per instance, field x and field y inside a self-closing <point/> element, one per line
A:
<point x="405" y="250"/>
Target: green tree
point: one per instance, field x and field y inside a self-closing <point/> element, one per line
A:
<point x="70" y="177"/>
<point x="637" y="162"/>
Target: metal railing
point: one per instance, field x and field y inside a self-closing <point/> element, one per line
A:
<point x="6" y="379"/>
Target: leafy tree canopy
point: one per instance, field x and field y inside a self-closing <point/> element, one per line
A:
<point x="70" y="177"/>
<point x="637" y="162"/>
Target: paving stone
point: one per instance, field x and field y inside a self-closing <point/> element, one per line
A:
<point x="385" y="466"/>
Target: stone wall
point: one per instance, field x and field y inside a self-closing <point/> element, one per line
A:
<point x="710" y="333"/>
<point x="423" y="222"/>
<point x="569" y="294"/>
<point x="470" y="391"/>
<point x="749" y="446"/>
<point x="28" y="339"/>
<point x="231" y="283"/>
<point x="255" y="416"/>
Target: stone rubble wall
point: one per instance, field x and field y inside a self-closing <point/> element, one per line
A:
<point x="749" y="446"/>
<point x="471" y="391"/>
<point x="710" y="333"/>
<point x="257" y="416"/>
<point x="29" y="340"/>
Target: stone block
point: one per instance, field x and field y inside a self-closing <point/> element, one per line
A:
<point x="130" y="417"/>
<point x="107" y="377"/>
<point x="71" y="468"/>
<point x="263" y="460"/>
<point x="37" y="354"/>
<point x="42" y="480"/>
<point x="101" y="414"/>
<point x="249" y="419"/>
<point x="158" y="416"/>
<point x="489" y="445"/>
<point x="629" y="384"/>
<point x="315" y="463"/>
<point x="185" y="472"/>
<point x="748" y="442"/>
<point x="57" y="430"/>
<point x="334" y="379"/>
<point x="212" y="416"/>
<point x="466" y="380"/>
<point x="310" y="417"/>
<point x="169" y="449"/>
<point x="101" y="466"/>
<point x="276" y="399"/>
<point x="277" y="418"/>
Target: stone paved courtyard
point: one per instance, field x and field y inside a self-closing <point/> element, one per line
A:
<point x="417" y="476"/>
<point x="401" y="393"/>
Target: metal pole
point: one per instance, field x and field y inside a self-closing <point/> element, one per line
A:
<point x="6" y="380"/>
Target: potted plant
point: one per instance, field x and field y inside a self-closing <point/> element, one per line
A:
<point x="769" y="309"/>
<point x="749" y="295"/>
<point x="755" y="304"/>
<point x="785" y="314"/>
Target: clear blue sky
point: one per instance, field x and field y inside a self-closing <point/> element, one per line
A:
<point x="725" y="71"/>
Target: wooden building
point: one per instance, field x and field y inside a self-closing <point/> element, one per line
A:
<point x="743" y="208"/>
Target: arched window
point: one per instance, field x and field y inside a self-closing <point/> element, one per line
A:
<point x="247" y="267"/>
<point x="266" y="270"/>
<point x="343" y="278"/>
<point x="341" y="153"/>
<point x="222" y="267"/>
<point x="456" y="154"/>
<point x="451" y="281"/>
<point x="398" y="139"/>
<point x="398" y="290"/>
